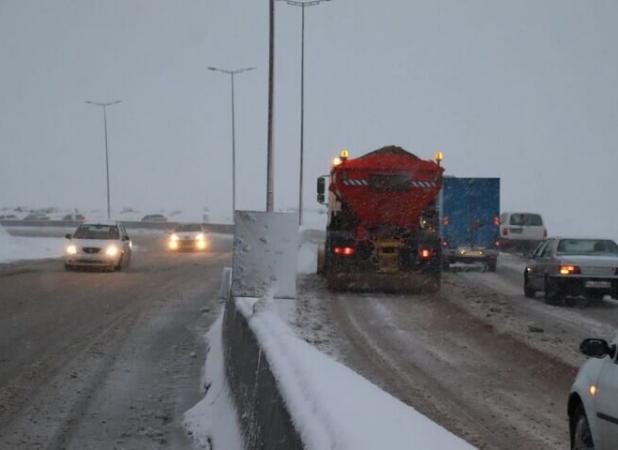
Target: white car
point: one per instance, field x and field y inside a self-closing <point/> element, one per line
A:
<point x="102" y="244"/>
<point x="593" y="402"/>
<point x="188" y="237"/>
<point x="521" y="230"/>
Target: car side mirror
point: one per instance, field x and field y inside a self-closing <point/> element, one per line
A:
<point x="597" y="348"/>
<point x="321" y="190"/>
<point x="68" y="236"/>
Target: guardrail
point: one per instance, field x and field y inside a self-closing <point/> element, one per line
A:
<point x="214" y="227"/>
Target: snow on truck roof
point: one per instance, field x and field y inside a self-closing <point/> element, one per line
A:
<point x="388" y="158"/>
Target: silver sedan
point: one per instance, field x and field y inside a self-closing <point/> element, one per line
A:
<point x="564" y="268"/>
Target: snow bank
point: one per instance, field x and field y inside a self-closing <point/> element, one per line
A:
<point x="307" y="258"/>
<point x="331" y="406"/>
<point x="213" y="421"/>
<point x="14" y="248"/>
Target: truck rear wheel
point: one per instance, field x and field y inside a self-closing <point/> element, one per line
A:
<point x="492" y="264"/>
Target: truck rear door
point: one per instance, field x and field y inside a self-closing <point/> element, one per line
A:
<point x="470" y="211"/>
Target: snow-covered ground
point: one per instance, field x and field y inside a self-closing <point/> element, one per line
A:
<point x="332" y="406"/>
<point x="213" y="422"/>
<point x="14" y="248"/>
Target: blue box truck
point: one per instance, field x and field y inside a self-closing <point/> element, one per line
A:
<point x="470" y="221"/>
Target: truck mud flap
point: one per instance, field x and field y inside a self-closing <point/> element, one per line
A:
<point x="390" y="283"/>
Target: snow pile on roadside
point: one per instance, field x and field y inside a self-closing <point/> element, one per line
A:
<point x="213" y="421"/>
<point x="332" y="406"/>
<point x="14" y="248"/>
<point x="307" y="258"/>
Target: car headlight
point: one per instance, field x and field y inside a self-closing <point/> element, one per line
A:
<point x="174" y="237"/>
<point x="71" y="249"/>
<point x="112" y="250"/>
<point x="200" y="237"/>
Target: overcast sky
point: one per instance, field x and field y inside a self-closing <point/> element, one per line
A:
<point x="524" y="90"/>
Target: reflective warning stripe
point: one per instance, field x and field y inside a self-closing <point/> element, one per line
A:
<point x="423" y="184"/>
<point x="361" y="182"/>
<point x="353" y="182"/>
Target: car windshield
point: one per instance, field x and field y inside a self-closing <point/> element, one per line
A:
<point x="97" y="232"/>
<point x="189" y="227"/>
<point x="526" y="220"/>
<point x="587" y="247"/>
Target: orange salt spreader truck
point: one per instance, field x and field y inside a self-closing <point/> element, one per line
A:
<point x="383" y="222"/>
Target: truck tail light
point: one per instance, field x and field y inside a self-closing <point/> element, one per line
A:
<point x="569" y="270"/>
<point x="425" y="253"/>
<point x="505" y="232"/>
<point x="344" y="251"/>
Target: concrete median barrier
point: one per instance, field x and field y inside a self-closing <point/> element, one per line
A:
<point x="264" y="419"/>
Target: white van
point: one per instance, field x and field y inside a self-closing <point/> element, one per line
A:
<point x="521" y="230"/>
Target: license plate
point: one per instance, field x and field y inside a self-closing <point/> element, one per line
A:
<point x="598" y="284"/>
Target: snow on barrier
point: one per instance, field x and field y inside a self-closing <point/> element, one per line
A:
<point x="291" y="396"/>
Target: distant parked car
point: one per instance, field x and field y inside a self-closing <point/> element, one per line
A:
<point x="156" y="218"/>
<point x="37" y="217"/>
<point x="188" y="237"/>
<point x="74" y="218"/>
<point x="101" y="244"/>
<point x="521" y="230"/>
<point x="593" y="401"/>
<point x="567" y="267"/>
<point x="8" y="217"/>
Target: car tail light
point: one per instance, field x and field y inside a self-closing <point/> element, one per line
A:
<point x="505" y="232"/>
<point x="425" y="253"/>
<point x="445" y="220"/>
<point x="497" y="221"/>
<point x="444" y="243"/>
<point x="569" y="270"/>
<point x="344" y="251"/>
<point x="544" y="232"/>
<point x="497" y="244"/>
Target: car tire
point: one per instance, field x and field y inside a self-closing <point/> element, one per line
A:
<point x="552" y="295"/>
<point x="118" y="267"/>
<point x="582" y="435"/>
<point x="529" y="291"/>
<point x="492" y="265"/>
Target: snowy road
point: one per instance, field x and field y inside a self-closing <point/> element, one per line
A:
<point x="480" y="359"/>
<point x="105" y="360"/>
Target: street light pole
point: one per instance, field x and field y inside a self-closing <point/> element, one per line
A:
<point x="231" y="73"/>
<point x="302" y="5"/>
<point x="270" y="162"/>
<point x="104" y="106"/>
